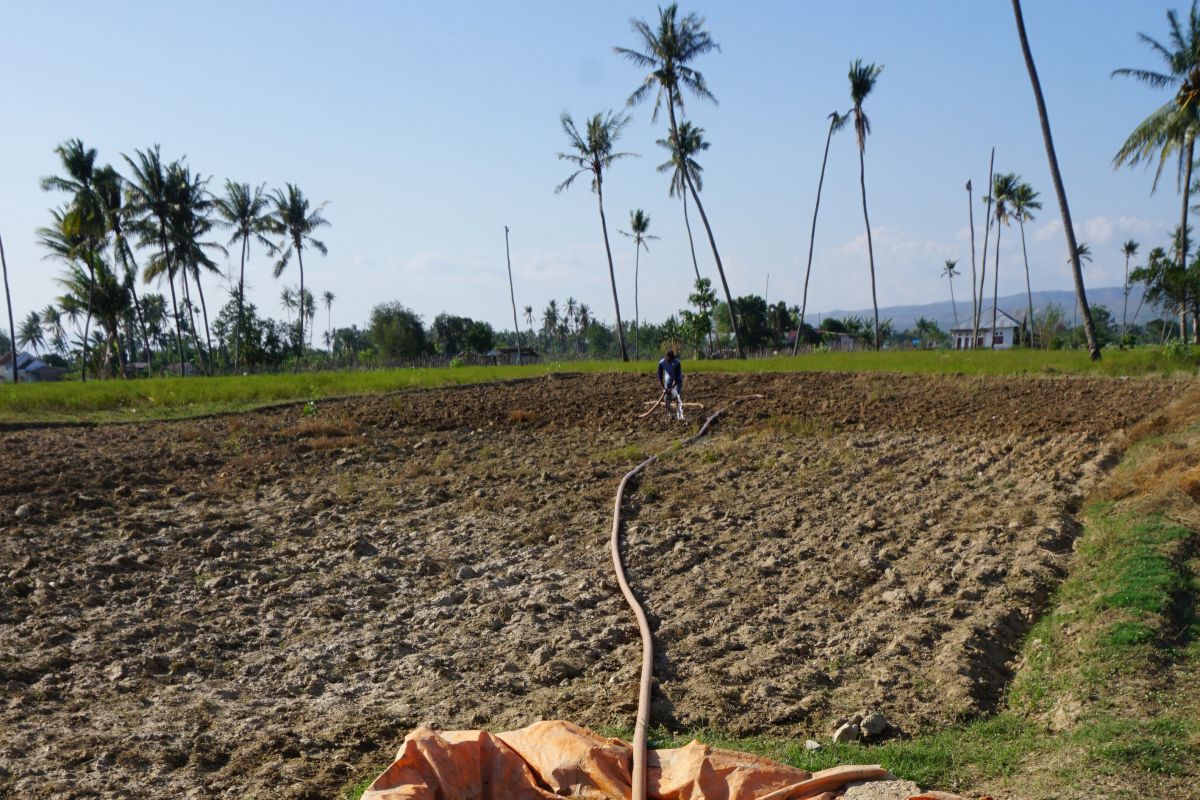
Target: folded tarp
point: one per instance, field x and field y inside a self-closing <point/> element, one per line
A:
<point x="559" y="759"/>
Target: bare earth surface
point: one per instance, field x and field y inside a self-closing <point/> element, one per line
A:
<point x="271" y="600"/>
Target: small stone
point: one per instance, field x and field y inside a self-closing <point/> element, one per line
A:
<point x="24" y="511"/>
<point x="847" y="733"/>
<point x="873" y="724"/>
<point x="115" y="672"/>
<point x="812" y="744"/>
<point x="362" y="548"/>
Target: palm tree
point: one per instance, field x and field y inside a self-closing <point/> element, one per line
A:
<point x="294" y="219"/>
<point x="691" y="141"/>
<point x="30" y="333"/>
<point x="667" y="54"/>
<point x="1085" y="256"/>
<point x="594" y="154"/>
<point x="639" y="223"/>
<point x="862" y="81"/>
<point x="1170" y="129"/>
<point x="327" y="298"/>
<point x="1024" y="203"/>
<point x="1004" y="188"/>
<point x="82" y="218"/>
<point x="1129" y="250"/>
<point x="529" y="322"/>
<point x="149" y="197"/>
<point x="987" y="234"/>
<point x="244" y="210"/>
<point x="308" y="310"/>
<point x="111" y="303"/>
<point x="836" y="123"/>
<point x="110" y="192"/>
<point x="974" y="278"/>
<point x="53" y="326"/>
<point x="512" y="295"/>
<point x="12" y="329"/>
<point x="190" y="221"/>
<point x="550" y="321"/>
<point x="1056" y="176"/>
<point x="950" y="270"/>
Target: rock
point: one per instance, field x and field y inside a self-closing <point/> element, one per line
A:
<point x="874" y="724"/>
<point x="115" y="672"/>
<point x="362" y="548"/>
<point x="812" y="744"/>
<point x="24" y="511"/>
<point x="881" y="790"/>
<point x="846" y="733"/>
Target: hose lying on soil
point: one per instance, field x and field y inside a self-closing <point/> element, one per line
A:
<point x="643" y="712"/>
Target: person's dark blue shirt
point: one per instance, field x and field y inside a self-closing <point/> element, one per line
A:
<point x="674" y="372"/>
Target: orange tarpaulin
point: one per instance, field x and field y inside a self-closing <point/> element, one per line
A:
<point x="560" y="759"/>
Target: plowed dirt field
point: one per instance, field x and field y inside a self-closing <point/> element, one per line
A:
<point x="269" y="601"/>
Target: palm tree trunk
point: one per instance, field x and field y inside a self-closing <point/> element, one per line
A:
<point x="612" y="274"/>
<point x="812" y="238"/>
<point x="87" y="322"/>
<point x="1125" y="305"/>
<point x="1068" y="228"/>
<point x="712" y="242"/>
<point x="1028" y="290"/>
<point x="695" y="264"/>
<point x="974" y="280"/>
<point x="12" y="328"/>
<point x="953" y="304"/>
<point x="300" y="342"/>
<point x="637" y="263"/>
<point x="204" y="312"/>
<point x="187" y="299"/>
<point x="1183" y="229"/>
<point x="987" y="235"/>
<point x="996" y="283"/>
<point x="237" y="328"/>
<point x="174" y="304"/>
<point x="512" y="294"/>
<point x="862" y="182"/>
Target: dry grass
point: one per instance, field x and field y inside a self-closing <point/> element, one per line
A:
<point x="518" y="415"/>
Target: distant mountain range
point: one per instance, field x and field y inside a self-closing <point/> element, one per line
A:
<point x="1015" y="304"/>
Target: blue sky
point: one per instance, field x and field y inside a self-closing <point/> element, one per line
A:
<point x="428" y="127"/>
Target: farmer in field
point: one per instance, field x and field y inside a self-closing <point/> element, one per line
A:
<point x="670" y="377"/>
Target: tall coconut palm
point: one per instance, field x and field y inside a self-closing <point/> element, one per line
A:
<point x="110" y="191"/>
<point x="293" y="218"/>
<point x="683" y="156"/>
<point x="593" y="153"/>
<point x="1085" y="257"/>
<point x="1056" y="176"/>
<point x="12" y="329"/>
<point x="667" y="55"/>
<point x="836" y="123"/>
<point x="974" y="277"/>
<point x="987" y="235"/>
<point x="53" y="326"/>
<point x="862" y="81"/>
<point x="149" y="197"/>
<point x="512" y="295"/>
<point x="950" y="271"/>
<point x="1171" y="129"/>
<point x="243" y="210"/>
<point x="1024" y="203"/>
<point x="191" y="221"/>
<point x="1004" y="189"/>
<point x="639" y="224"/>
<point x="327" y="298"/>
<point x="528" y="313"/>
<point x="83" y="215"/>
<point x="1129" y="250"/>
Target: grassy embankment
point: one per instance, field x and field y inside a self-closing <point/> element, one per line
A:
<point x="1106" y="699"/>
<point x="171" y="398"/>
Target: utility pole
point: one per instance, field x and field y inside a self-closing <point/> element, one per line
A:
<point x="512" y="294"/>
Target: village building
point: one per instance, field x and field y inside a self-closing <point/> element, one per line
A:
<point x="1007" y="333"/>
<point x="30" y="369"/>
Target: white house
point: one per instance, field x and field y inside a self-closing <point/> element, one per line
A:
<point x="1006" y="334"/>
